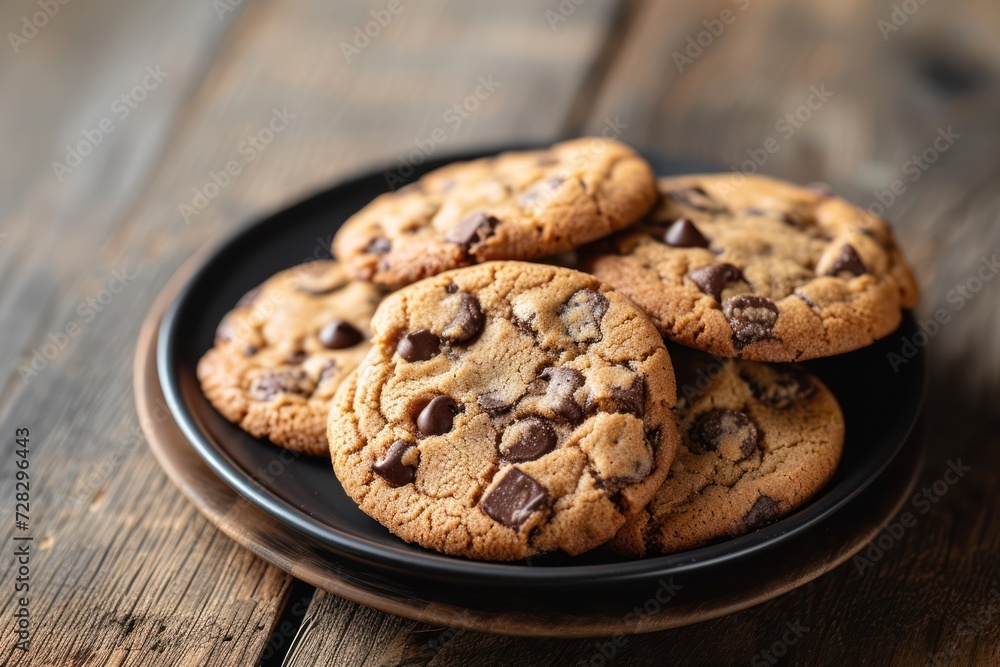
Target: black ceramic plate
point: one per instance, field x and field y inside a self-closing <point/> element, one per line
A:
<point x="880" y="407"/>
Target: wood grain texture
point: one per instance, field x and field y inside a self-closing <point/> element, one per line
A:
<point x="127" y="572"/>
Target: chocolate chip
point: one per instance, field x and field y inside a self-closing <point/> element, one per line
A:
<point x="468" y="322"/>
<point x="495" y="403"/>
<point x="513" y="499"/>
<point x="713" y="279"/>
<point x="751" y="318"/>
<point x="849" y="261"/>
<point x="563" y="383"/>
<point x="298" y="356"/>
<point x="473" y="230"/>
<point x="787" y="385"/>
<point x="419" y="346"/>
<point x="528" y="439"/>
<point x="437" y="416"/>
<point x="790" y="219"/>
<point x="682" y="233"/>
<point x="632" y="399"/>
<point x="582" y="314"/>
<point x="339" y="334"/>
<point x="546" y="160"/>
<point x="451" y="288"/>
<point x="390" y="466"/>
<point x="271" y="384"/>
<point x="249" y="351"/>
<point x="541" y="192"/>
<point x="378" y="246"/>
<point x="717" y="426"/>
<point x="247" y="299"/>
<point x="764" y="511"/>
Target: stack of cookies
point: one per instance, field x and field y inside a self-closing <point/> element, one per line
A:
<point x="633" y="391"/>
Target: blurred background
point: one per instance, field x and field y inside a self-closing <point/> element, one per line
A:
<point x="134" y="133"/>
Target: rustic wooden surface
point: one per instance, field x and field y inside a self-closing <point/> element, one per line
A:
<point x="126" y="572"/>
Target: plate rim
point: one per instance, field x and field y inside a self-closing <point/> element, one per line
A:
<point x="439" y="566"/>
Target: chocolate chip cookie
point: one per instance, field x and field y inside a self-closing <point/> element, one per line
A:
<point x="505" y="410"/>
<point x="759" y="269"/>
<point x="518" y="205"/>
<point x="280" y="354"/>
<point x="757" y="442"/>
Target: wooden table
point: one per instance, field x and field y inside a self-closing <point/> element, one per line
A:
<point x="143" y="105"/>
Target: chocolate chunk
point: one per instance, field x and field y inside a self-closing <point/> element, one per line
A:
<point x="790" y="219"/>
<point x="713" y="279"/>
<point x="419" y="346"/>
<point x="683" y="234"/>
<point x="849" y="261"/>
<point x="378" y="246"/>
<point x="528" y="439"/>
<point x="513" y="499"/>
<point x="437" y="416"/>
<point x="632" y="399"/>
<point x="751" y="318"/>
<point x="764" y="511"/>
<point x="247" y="299"/>
<point x="563" y="383"/>
<point x="468" y="322"/>
<point x="473" y="230"/>
<point x="495" y="403"/>
<point x="541" y="192"/>
<point x="787" y="385"/>
<point x="582" y="314"/>
<point x="271" y="384"/>
<point x="339" y="334"/>
<point x="390" y="466"/>
<point x="717" y="426"/>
